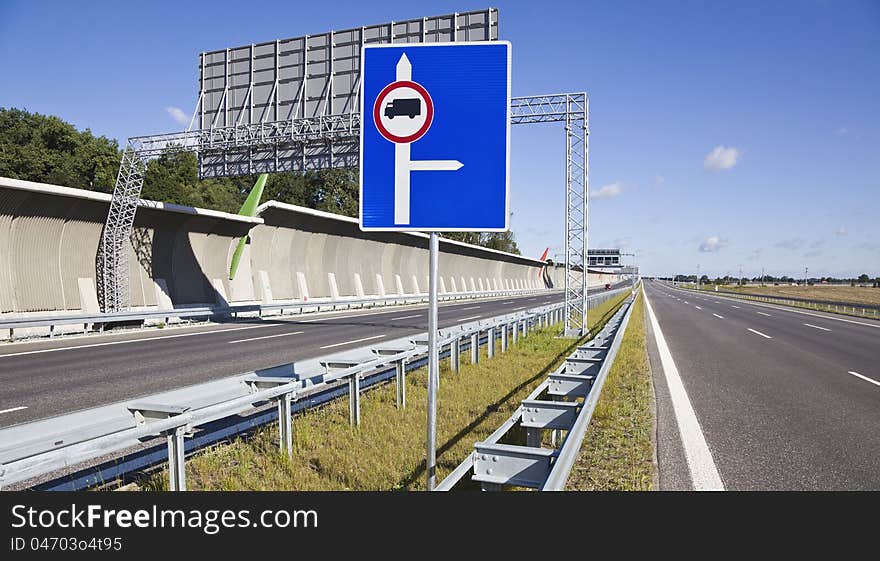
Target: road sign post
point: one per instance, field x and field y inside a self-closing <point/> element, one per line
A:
<point x="420" y="103"/>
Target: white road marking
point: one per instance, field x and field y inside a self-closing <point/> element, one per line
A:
<point x="704" y="473"/>
<point x="759" y="333"/>
<point x="12" y="409"/>
<point x="717" y="316"/>
<point x="856" y="374"/>
<point x="474" y="308"/>
<point x="732" y="306"/>
<point x="405" y="317"/>
<point x="697" y="307"/>
<point x="685" y="301"/>
<point x="268" y="337"/>
<point x="351" y="342"/>
<point x="520" y="308"/>
<point x="466" y="319"/>
<point x="763" y="314"/>
<point x="143" y="340"/>
<point x="817" y="327"/>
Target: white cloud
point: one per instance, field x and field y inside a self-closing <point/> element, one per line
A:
<point x="841" y="231"/>
<point x="178" y="114"/>
<point x="841" y="131"/>
<point x="721" y="158"/>
<point x="608" y="191"/>
<point x="712" y="244"/>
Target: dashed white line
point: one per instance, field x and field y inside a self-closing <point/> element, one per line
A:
<point x="763" y="314"/>
<point x="817" y="327"/>
<point x="142" y="340"/>
<point x="737" y="307"/>
<point x="470" y="318"/>
<point x="717" y="316"/>
<point x="520" y="308"/>
<point x="701" y="465"/>
<point x="856" y="374"/>
<point x="685" y="301"/>
<point x="759" y="333"/>
<point x="268" y="337"/>
<point x="351" y="342"/>
<point x="405" y="317"/>
<point x="12" y="409"/>
<point x="697" y="307"/>
<point x="471" y="308"/>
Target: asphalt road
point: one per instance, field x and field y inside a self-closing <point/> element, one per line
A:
<point x="786" y="399"/>
<point x="46" y="378"/>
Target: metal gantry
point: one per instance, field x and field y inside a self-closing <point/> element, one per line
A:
<point x="573" y="110"/>
<point x="326" y="142"/>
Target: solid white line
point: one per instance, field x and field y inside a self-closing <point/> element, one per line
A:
<point x="474" y="317"/>
<point x="350" y="342"/>
<point x="759" y="333"/>
<point x="520" y="308"/>
<point x="405" y="317"/>
<point x="817" y="327"/>
<point x="717" y="316"/>
<point x="268" y="337"/>
<point x="704" y="473"/>
<point x="763" y="314"/>
<point x="145" y="339"/>
<point x="697" y="307"/>
<point x="11" y="410"/>
<point x="865" y="378"/>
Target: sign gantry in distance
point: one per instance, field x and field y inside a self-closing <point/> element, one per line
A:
<point x="435" y="137"/>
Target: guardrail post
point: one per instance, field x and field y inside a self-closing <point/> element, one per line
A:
<point x="455" y="354"/>
<point x="515" y="331"/>
<point x="354" y="400"/>
<point x="533" y="437"/>
<point x="475" y="348"/>
<point x="400" y="366"/>
<point x="491" y="339"/>
<point x="176" y="465"/>
<point x="505" y="331"/>
<point x="285" y="432"/>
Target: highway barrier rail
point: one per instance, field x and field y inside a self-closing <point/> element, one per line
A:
<point x="565" y="401"/>
<point x="123" y="435"/>
<point x="97" y="322"/>
<point x="847" y="308"/>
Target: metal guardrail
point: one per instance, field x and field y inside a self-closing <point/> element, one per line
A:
<point x="847" y="308"/>
<point x="234" y="311"/>
<point x="565" y="401"/>
<point x="34" y="449"/>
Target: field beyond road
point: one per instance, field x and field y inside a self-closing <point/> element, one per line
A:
<point x="832" y="293"/>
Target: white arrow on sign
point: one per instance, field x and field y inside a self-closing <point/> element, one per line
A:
<point x="403" y="165"/>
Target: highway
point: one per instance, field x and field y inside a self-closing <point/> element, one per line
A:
<point x="784" y="399"/>
<point x="45" y="378"/>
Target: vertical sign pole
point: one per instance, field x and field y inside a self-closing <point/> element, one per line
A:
<point x="433" y="364"/>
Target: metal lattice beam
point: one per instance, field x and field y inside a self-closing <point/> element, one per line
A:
<point x="325" y="142"/>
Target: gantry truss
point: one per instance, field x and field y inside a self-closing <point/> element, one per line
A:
<point x="325" y="142"/>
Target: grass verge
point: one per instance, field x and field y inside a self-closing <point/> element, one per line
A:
<point x="618" y="448"/>
<point x="387" y="451"/>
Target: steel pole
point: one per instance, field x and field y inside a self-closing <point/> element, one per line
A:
<point x="433" y="363"/>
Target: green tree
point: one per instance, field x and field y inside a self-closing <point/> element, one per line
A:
<point x="36" y="147"/>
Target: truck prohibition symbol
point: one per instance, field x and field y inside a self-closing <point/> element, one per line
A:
<point x="403" y="106"/>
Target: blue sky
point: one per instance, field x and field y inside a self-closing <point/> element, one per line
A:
<point x="722" y="133"/>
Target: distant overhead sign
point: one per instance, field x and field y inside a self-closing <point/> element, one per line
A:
<point x="435" y="137"/>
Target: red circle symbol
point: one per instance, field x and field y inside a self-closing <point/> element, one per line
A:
<point x="380" y="100"/>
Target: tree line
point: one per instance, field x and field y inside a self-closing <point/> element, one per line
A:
<point x="47" y="149"/>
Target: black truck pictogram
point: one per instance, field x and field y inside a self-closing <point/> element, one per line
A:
<point x="403" y="106"/>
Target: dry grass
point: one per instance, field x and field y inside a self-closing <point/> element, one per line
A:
<point x="833" y="293"/>
<point x="387" y="451"/>
<point x="618" y="450"/>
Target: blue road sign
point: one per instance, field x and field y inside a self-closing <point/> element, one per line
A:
<point x="435" y="137"/>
